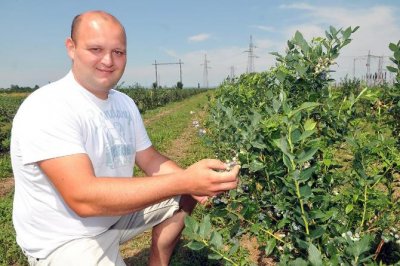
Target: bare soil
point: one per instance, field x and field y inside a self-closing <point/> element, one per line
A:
<point x="6" y="186"/>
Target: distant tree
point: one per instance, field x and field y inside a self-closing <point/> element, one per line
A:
<point x="179" y="85"/>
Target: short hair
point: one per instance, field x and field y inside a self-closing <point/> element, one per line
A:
<point x="78" y="19"/>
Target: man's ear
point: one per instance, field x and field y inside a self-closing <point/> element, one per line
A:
<point x="70" y="45"/>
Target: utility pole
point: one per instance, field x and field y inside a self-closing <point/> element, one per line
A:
<point x="178" y="63"/>
<point x="354" y="64"/>
<point x="205" y="72"/>
<point x="378" y="77"/>
<point x="251" y="56"/>
<point x="232" y="75"/>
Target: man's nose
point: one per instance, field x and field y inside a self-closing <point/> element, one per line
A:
<point x="107" y="59"/>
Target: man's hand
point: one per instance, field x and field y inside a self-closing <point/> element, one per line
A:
<point x="210" y="177"/>
<point x="201" y="199"/>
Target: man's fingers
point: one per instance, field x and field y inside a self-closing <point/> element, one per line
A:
<point x="214" y="164"/>
<point x="228" y="176"/>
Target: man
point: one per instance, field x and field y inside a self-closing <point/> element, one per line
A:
<point x="73" y="148"/>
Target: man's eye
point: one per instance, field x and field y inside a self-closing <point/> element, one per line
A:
<point x="119" y="53"/>
<point x="95" y="50"/>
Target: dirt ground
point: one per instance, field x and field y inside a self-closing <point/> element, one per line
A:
<point x="6" y="186"/>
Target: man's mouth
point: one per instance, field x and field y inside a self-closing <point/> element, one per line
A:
<point x="105" y="70"/>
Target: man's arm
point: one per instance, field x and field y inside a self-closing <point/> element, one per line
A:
<point x="88" y="195"/>
<point x="154" y="163"/>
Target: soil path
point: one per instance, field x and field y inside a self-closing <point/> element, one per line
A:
<point x="6" y="186"/>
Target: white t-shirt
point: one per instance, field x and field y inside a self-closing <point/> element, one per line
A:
<point x="59" y="119"/>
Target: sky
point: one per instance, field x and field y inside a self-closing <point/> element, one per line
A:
<point x="210" y="36"/>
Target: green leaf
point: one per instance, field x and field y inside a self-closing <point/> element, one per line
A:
<point x="283" y="222"/>
<point x="306" y="155"/>
<point x="393" y="47"/>
<point x="301" y="70"/>
<point x="282" y="144"/>
<point x="287" y="162"/>
<point x="191" y="224"/>
<point x="189" y="234"/>
<point x="397" y="55"/>
<point x="276" y="105"/>
<point x="347" y="33"/>
<point x="276" y="54"/>
<point x="328" y="36"/>
<point x="333" y="30"/>
<point x="392" y="69"/>
<point x="298" y="262"/>
<point x="234" y="248"/>
<point x="314" y="255"/>
<point x="309" y="124"/>
<point x="305" y="192"/>
<point x="306" y="134"/>
<point x="214" y="256"/>
<point x="256" y="166"/>
<point x="216" y="240"/>
<point x="307" y="173"/>
<point x="301" y="42"/>
<point x="271" y="244"/>
<point x="195" y="245"/>
<point x="317" y="232"/>
<point x="205" y="227"/>
<point x="349" y="208"/>
<point x="305" y="105"/>
<point x="357" y="248"/>
<point x="296" y="135"/>
<point x="281" y="76"/>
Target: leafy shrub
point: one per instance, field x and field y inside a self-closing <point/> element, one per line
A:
<point x="318" y="164"/>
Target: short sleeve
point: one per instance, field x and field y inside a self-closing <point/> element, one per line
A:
<point x="47" y="131"/>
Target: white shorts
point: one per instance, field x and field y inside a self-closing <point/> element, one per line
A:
<point x="104" y="249"/>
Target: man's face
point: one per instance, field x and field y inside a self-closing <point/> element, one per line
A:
<point x="98" y="54"/>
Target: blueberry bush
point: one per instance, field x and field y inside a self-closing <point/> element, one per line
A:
<point x="319" y="164"/>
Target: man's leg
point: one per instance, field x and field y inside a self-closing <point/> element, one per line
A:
<point x="166" y="235"/>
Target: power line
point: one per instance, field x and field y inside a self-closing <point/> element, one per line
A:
<point x="232" y="75"/>
<point x="251" y="56"/>
<point x="205" y="71"/>
<point x="371" y="78"/>
<point x="178" y="63"/>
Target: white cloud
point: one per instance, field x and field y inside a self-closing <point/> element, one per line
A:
<point x="302" y="6"/>
<point x="264" y="28"/>
<point x="308" y="31"/>
<point x="378" y="27"/>
<point x="199" y="37"/>
<point x="169" y="52"/>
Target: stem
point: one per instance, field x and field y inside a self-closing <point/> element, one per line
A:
<point x="250" y="222"/>
<point x="365" y="205"/>
<point x="341" y="105"/>
<point x="296" y="183"/>
<point x="219" y="253"/>
<point x="303" y="216"/>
